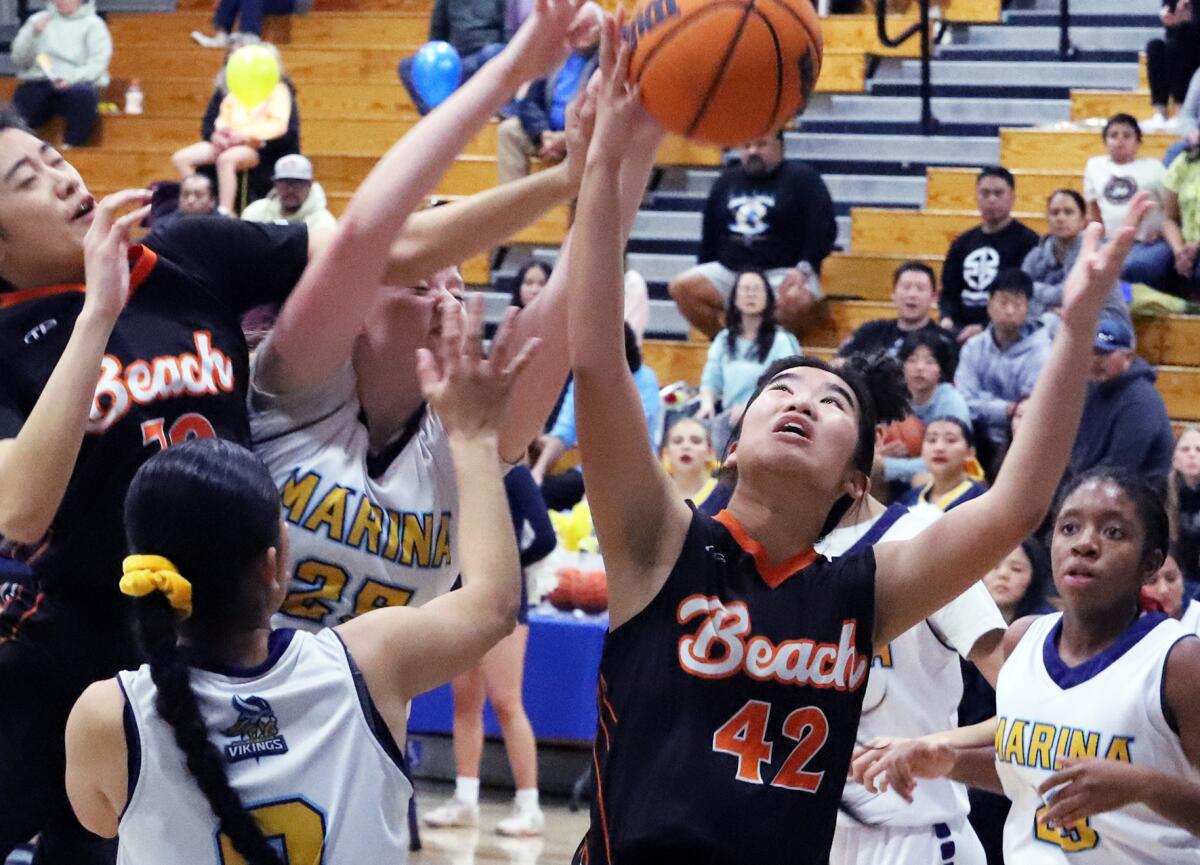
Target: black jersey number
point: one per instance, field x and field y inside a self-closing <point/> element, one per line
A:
<point x="745" y="737"/>
<point x="186" y="426"/>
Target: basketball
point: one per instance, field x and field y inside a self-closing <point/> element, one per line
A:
<point x="724" y="72"/>
<point x="910" y="431"/>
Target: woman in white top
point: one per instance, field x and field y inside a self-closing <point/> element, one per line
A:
<point x="234" y="733"/>
<point x="1097" y="738"/>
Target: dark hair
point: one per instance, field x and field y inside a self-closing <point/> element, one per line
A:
<point x="1147" y="501"/>
<point x="1041" y="578"/>
<point x="1012" y="280"/>
<point x="520" y="278"/>
<point x="179" y="506"/>
<point x="10" y="118"/>
<point x="733" y="317"/>
<point x="1122" y="119"/>
<point x="1071" y="194"/>
<point x="915" y="267"/>
<point x="964" y="428"/>
<point x="633" y="354"/>
<point x="878" y="385"/>
<point x="997" y="171"/>
<point x="938" y="347"/>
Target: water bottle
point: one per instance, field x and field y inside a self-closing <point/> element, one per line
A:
<point x="133" y="98"/>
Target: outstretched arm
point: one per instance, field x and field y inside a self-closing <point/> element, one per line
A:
<point x="915" y="578"/>
<point x="404" y="651"/>
<point x="318" y="324"/>
<point x="639" y="520"/>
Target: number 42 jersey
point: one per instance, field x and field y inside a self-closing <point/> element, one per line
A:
<point x="728" y="707"/>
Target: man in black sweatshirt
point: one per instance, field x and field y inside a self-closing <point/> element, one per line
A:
<point x="978" y="255"/>
<point x="768" y="214"/>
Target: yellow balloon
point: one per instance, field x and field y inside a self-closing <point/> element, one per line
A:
<point x="251" y="74"/>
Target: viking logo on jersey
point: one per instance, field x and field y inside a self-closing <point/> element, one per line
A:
<point x="723" y="646"/>
<point x="256" y="729"/>
<point x="207" y="371"/>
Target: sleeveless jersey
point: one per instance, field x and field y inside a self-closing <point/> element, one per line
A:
<point x="303" y="747"/>
<point x="1190" y="617"/>
<point x="362" y="535"/>
<point x="1110" y="706"/>
<point x="916" y="682"/>
<point x="728" y="706"/>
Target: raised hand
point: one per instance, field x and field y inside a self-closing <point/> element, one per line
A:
<point x="541" y="43"/>
<point x="468" y="389"/>
<point x="581" y="122"/>
<point x="621" y="121"/>
<point x="1097" y="268"/>
<point x="106" y="251"/>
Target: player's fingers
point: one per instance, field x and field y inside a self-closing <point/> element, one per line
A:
<point x="523" y="357"/>
<point x="871" y="775"/>
<point x="107" y="208"/>
<point x="473" y="344"/>
<point x="608" y="51"/>
<point x="621" y="69"/>
<point x="449" y="346"/>
<point x="124" y="226"/>
<point x="428" y="375"/>
<point x="1093" y="235"/>
<point x="502" y="342"/>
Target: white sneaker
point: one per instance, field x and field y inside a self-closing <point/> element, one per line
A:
<point x="522" y="823"/>
<point x="220" y="40"/>
<point x="1154" y="124"/>
<point x="1175" y="124"/>
<point x="452" y="813"/>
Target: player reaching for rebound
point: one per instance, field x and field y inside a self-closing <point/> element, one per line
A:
<point x="731" y="681"/>
<point x="1097" y="739"/>
<point x="233" y="732"/>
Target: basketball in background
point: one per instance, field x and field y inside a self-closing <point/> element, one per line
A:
<point x="724" y="72"/>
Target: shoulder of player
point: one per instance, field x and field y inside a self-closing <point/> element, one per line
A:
<point x="97" y="718"/>
<point x="1016" y="631"/>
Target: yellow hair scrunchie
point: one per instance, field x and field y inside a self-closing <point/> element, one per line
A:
<point x="146" y="574"/>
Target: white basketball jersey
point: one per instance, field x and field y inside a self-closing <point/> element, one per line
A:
<point x="303" y="748"/>
<point x="357" y="542"/>
<point x="1110" y="706"/>
<point x="1190" y="618"/>
<point x="915" y="685"/>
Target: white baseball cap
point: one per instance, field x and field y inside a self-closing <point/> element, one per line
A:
<point x="293" y="167"/>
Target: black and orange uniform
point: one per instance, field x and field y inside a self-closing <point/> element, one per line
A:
<point x="728" y="707"/>
<point x="176" y="367"/>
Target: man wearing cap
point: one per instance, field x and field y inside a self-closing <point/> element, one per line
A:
<point x="294" y="198"/>
<point x="1125" y="422"/>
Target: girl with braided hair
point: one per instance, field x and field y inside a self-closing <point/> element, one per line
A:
<point x="237" y="743"/>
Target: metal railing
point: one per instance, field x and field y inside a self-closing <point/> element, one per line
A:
<point x="929" y="123"/>
<point x="1066" y="51"/>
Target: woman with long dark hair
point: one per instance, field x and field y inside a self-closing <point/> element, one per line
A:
<point x="234" y="732"/>
<point x="731" y="682"/>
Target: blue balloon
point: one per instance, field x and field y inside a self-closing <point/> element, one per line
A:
<point x="436" y="71"/>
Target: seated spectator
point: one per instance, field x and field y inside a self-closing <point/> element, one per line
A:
<point x="226" y="17"/>
<point x="976" y="256"/>
<point x="688" y="456"/>
<point x="539" y="126"/>
<point x="1109" y="184"/>
<point x="1048" y="263"/>
<point x="172" y="201"/>
<point x="1170" y="591"/>
<point x="62" y="55"/>
<point x="914" y="292"/>
<point x="476" y="29"/>
<point x="1124" y="420"/>
<point x="1171" y="63"/>
<point x="740" y="354"/>
<point x="563" y="491"/>
<point x="763" y="213"/>
<point x="531" y="278"/>
<point x="1181" y="206"/>
<point x="1183" y="501"/>
<point x="948" y="449"/>
<point x="997" y="368"/>
<point x="196" y="196"/>
<point x="928" y="371"/>
<point x="295" y="197"/>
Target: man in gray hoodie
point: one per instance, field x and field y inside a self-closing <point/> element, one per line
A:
<point x="62" y="54"/>
<point x="998" y="368"/>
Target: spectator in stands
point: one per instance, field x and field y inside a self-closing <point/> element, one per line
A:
<point x="173" y="201"/>
<point x="196" y="196"/>
<point x="947" y="449"/>
<point x="1183" y="501"/>
<point x="227" y="16"/>
<point x="690" y="460"/>
<point x="1124" y="420"/>
<point x="764" y="213"/>
<point x="1169" y="589"/>
<point x="476" y="29"/>
<point x="295" y="197"/>
<point x="978" y="255"/>
<point x="997" y="368"/>
<point x="1048" y="263"/>
<point x="741" y="353"/>
<point x="539" y="126"/>
<point x="1181" y="206"/>
<point x="1109" y="184"/>
<point x="564" y="490"/>
<point x="238" y="139"/>
<point x="62" y="55"/>
<point x="914" y="292"/>
<point x="531" y="278"/>
<point x="928" y="361"/>
<point x="1171" y="62"/>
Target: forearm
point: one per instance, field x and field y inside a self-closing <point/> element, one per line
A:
<point x="1173" y="235"/>
<point x="37" y="463"/>
<point x="552" y="450"/>
<point x="443" y="236"/>
<point x="1173" y="798"/>
<point x="976" y="767"/>
<point x="597" y="309"/>
<point x="487" y="547"/>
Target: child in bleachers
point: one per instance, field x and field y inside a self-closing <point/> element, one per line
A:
<point x="948" y="450"/>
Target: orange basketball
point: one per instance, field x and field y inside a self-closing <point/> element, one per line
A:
<point x="562" y="596"/>
<point x="725" y="71"/>
<point x="911" y="431"/>
<point x="591" y="592"/>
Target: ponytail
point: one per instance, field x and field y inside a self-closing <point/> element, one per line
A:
<point x="176" y="703"/>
